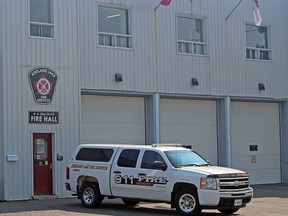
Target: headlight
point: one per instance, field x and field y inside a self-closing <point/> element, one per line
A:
<point x="208" y="183"/>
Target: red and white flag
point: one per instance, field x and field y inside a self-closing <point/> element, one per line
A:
<point x="256" y="12"/>
<point x="165" y="2"/>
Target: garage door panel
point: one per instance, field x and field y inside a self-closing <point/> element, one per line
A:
<point x="190" y="122"/>
<point x="264" y="176"/>
<point x="244" y="162"/>
<point x="242" y="147"/>
<point x="255" y="123"/>
<point x="255" y="133"/>
<point x="115" y="116"/>
<point x="253" y="108"/>
<point x="188" y="133"/>
<point x="252" y="120"/>
<point x="180" y="118"/>
<point x="186" y="106"/>
<point x="112" y="134"/>
<point x="112" y="119"/>
<point x="104" y="102"/>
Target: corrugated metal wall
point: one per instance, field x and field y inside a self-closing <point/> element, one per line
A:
<point x="1" y="105"/>
<point x="224" y="72"/>
<point x="21" y="55"/>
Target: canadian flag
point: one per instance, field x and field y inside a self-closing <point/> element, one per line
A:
<point x="165" y="2"/>
<point x="256" y="12"/>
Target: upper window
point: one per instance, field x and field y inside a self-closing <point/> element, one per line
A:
<point x="90" y="154"/>
<point x="191" y="38"/>
<point x="257" y="43"/>
<point x="114" y="27"/>
<point x="41" y="18"/>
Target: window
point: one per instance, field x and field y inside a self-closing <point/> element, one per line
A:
<point x="41" y="18"/>
<point x="190" y="37"/>
<point x="90" y="154"/>
<point x="149" y="158"/>
<point x="114" y="27"/>
<point x="128" y="158"/>
<point x="257" y="44"/>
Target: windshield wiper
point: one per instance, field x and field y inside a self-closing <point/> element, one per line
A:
<point x="193" y="164"/>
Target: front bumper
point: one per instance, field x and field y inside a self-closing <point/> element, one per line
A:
<point x="217" y="199"/>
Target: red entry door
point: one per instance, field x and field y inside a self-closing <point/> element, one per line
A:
<point x="42" y="163"/>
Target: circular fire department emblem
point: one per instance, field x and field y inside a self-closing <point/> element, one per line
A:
<point x="43" y="86"/>
<point x="42" y="81"/>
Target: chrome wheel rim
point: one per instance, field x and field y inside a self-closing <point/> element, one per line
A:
<point x="88" y="195"/>
<point x="187" y="203"/>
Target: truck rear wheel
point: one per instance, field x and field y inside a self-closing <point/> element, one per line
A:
<point x="90" y="195"/>
<point x="186" y="202"/>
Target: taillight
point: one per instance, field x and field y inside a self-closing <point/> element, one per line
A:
<point x="67" y="173"/>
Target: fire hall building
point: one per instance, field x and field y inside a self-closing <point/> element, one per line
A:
<point x="127" y="72"/>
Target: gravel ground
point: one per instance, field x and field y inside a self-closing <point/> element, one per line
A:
<point x="268" y="200"/>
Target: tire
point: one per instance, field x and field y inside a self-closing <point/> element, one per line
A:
<point x="228" y="211"/>
<point x="130" y="202"/>
<point x="90" y="195"/>
<point x="187" y="203"/>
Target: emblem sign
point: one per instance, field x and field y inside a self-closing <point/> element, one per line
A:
<point x="42" y="82"/>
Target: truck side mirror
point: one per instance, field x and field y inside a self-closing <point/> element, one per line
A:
<point x="159" y="165"/>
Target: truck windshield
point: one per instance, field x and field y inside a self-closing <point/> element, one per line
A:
<point x="180" y="158"/>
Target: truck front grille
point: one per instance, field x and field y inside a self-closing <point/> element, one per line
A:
<point x="236" y="184"/>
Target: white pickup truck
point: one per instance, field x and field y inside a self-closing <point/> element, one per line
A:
<point x="158" y="173"/>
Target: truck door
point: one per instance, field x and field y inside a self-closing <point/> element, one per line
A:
<point x="124" y="172"/>
<point x="139" y="174"/>
<point x="154" y="178"/>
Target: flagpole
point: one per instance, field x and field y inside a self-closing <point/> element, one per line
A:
<point x="157" y="6"/>
<point x="233" y="10"/>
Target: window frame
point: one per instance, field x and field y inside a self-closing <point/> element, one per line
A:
<point x="120" y="158"/>
<point x="144" y="165"/>
<point x="115" y="36"/>
<point x="41" y="24"/>
<point x="95" y="152"/>
<point x="193" y="44"/>
<point x="256" y="51"/>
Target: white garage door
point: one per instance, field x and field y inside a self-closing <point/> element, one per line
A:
<point x="190" y="122"/>
<point x="112" y="119"/>
<point x="256" y="125"/>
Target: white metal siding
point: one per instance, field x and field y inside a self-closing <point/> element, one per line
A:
<point x="21" y="54"/>
<point x="190" y="122"/>
<point x="111" y="119"/>
<point x="153" y="65"/>
<point x="256" y="124"/>
<point x="1" y="102"/>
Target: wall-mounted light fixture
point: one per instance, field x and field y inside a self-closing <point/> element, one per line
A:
<point x="261" y="86"/>
<point x="194" y="82"/>
<point x="118" y="77"/>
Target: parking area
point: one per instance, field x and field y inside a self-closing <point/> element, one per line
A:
<point x="268" y="200"/>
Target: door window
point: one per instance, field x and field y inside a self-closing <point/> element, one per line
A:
<point x="128" y="158"/>
<point x="40" y="152"/>
<point x="149" y="159"/>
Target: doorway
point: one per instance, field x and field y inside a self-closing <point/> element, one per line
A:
<point x="42" y="163"/>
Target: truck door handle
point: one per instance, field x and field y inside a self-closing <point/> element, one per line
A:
<point x="117" y="172"/>
<point x="143" y="174"/>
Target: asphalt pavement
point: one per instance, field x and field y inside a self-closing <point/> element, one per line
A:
<point x="268" y="200"/>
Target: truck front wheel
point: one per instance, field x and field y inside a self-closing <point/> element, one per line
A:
<point x="90" y="195"/>
<point x="186" y="202"/>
